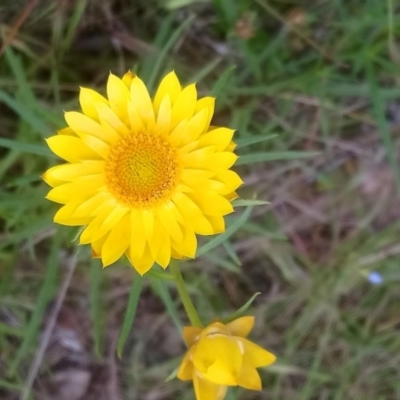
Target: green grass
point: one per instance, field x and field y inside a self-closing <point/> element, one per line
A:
<point x="311" y="103"/>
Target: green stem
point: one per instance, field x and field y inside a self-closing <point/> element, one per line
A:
<point x="184" y="295"/>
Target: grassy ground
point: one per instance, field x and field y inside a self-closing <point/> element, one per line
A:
<point x="314" y="96"/>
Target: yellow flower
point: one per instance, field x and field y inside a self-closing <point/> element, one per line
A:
<point x="219" y="356"/>
<point x="143" y="175"/>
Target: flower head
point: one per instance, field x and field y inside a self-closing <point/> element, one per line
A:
<point x="375" y="278"/>
<point x="220" y="356"/>
<point x="143" y="176"/>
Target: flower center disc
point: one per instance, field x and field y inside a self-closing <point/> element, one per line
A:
<point x="142" y="170"/>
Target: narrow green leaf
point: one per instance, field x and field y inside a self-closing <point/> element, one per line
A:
<point x="165" y="276"/>
<point x="9" y="330"/>
<point x="172" y="375"/>
<point x="274" y="156"/>
<point x="73" y="22"/>
<point x="18" y="71"/>
<point x="26" y="147"/>
<point x="174" y="4"/>
<point x="162" y="291"/>
<point x="248" y="202"/>
<point x="203" y="72"/>
<point x="230" y="250"/>
<point x="45" y="295"/>
<point x="249" y="140"/>
<point x="25" y="113"/>
<point x="95" y="306"/>
<point x="222" y="263"/>
<point x="221" y="83"/>
<point x="238" y="313"/>
<point x="130" y="313"/>
<point x="217" y="240"/>
<point x="156" y="67"/>
<point x="11" y="386"/>
<point x="379" y="111"/>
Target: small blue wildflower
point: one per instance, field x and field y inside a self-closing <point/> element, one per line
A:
<point x="375" y="278"/>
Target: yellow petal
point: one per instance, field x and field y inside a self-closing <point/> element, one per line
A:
<point x="220" y="138"/>
<point x="183" y="107"/>
<point x="218" y="358"/>
<point x="192" y="214"/>
<point x="206" y="390"/>
<point x="141" y="101"/>
<point x="118" y="95"/>
<point x="102" y="224"/>
<point x="117" y="241"/>
<point x="231" y="196"/>
<point x="71" y="149"/>
<point x="187" y="148"/>
<point x="135" y="120"/>
<point x="256" y="355"/>
<point x="88" y="99"/>
<point x="206" y="103"/>
<point x="216" y="161"/>
<point x="89" y="207"/>
<point x="185" y="371"/>
<point x="138" y="238"/>
<point x="186" y="248"/>
<point x="178" y="133"/>
<point x="75" y="190"/>
<point x="169" y="86"/>
<point x="218" y="224"/>
<point x="166" y="216"/>
<point x="230" y="178"/>
<point x="127" y="79"/>
<point x="65" y="216"/>
<point x="249" y="377"/>
<point x="190" y="334"/>
<point x="231" y="146"/>
<point x="195" y="127"/>
<point x="160" y="244"/>
<point x="197" y="159"/>
<point x="66" y="131"/>
<point x="216" y="327"/>
<point x="198" y="175"/>
<point x="97" y="247"/>
<point x="83" y="125"/>
<point x="68" y="172"/>
<point x="113" y="120"/>
<point x="97" y="145"/>
<point x="148" y="223"/>
<point x="163" y="123"/>
<point x="209" y="185"/>
<point x="241" y="326"/>
<point x="211" y="203"/>
<point x="144" y="263"/>
<point x="112" y="134"/>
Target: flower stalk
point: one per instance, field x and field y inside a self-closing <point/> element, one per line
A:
<point x="184" y="295"/>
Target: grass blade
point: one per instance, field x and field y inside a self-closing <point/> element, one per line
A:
<point x="130" y="313"/>
<point x="242" y="310"/>
<point x="156" y="66"/>
<point x="30" y="148"/>
<point x="379" y="111"/>
<point x="95" y="305"/>
<point x="219" y="86"/>
<point x="247" y="141"/>
<point x="25" y="113"/>
<point x="274" y="156"/>
<point x="216" y="241"/>
<point x="163" y="292"/>
<point x="46" y="293"/>
<point x="248" y="202"/>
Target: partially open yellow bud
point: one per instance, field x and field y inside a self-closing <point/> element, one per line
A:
<point x="219" y="356"/>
